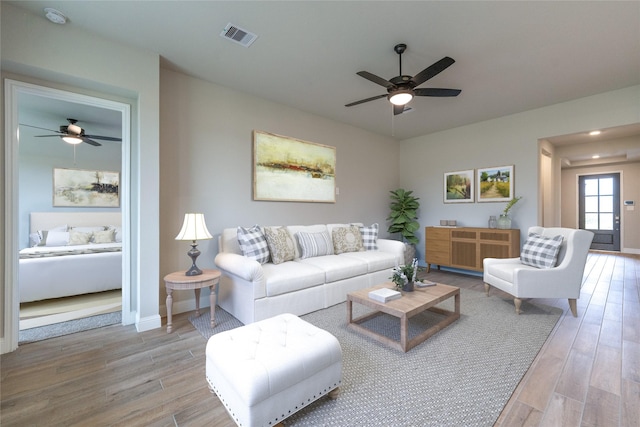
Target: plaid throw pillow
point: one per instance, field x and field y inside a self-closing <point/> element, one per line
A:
<point x="314" y="244"/>
<point x="253" y="244"/>
<point x="541" y="252"/>
<point x="370" y="237"/>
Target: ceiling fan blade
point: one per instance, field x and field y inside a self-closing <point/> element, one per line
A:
<point x="436" y="92"/>
<point x="398" y="109"/>
<point x="106" y="138"/>
<point x="432" y="70"/>
<point x="37" y="127"/>
<point x="45" y="136"/>
<point x="362" y="101"/>
<point x="90" y="141"/>
<point x="378" y="80"/>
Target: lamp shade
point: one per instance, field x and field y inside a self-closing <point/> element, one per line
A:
<point x="194" y="228"/>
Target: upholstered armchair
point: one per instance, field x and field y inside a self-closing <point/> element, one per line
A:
<point x="549" y="267"/>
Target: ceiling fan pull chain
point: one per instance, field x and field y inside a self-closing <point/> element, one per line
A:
<point x="74" y="154"/>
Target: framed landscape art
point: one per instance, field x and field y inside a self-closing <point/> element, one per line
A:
<point x="458" y="187"/>
<point x="86" y="188"/>
<point x="496" y="184"/>
<point x="289" y="169"/>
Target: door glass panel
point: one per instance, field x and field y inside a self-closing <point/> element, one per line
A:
<point x="591" y="204"/>
<point x="606" y="221"/>
<point x="591" y="221"/>
<point x="606" y="186"/>
<point x="606" y="203"/>
<point x="591" y="187"/>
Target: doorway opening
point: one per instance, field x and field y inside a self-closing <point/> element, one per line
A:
<point x="599" y="209"/>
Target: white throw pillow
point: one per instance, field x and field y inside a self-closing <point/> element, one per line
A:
<point x="57" y="238"/>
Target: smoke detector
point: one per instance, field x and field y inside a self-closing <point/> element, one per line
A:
<point x="55" y="16"/>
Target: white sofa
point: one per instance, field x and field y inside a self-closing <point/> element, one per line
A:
<point x="251" y="291"/>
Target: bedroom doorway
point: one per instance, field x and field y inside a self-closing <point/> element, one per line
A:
<point x="52" y="103"/>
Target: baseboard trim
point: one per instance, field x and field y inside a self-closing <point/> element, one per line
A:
<point x="149" y="323"/>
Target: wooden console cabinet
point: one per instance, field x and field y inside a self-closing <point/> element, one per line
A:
<point x="466" y="247"/>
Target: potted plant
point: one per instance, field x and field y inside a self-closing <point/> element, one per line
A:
<point x="404" y="276"/>
<point x="403" y="216"/>
<point x="504" y="222"/>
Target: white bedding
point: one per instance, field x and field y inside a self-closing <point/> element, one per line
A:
<point x="45" y="276"/>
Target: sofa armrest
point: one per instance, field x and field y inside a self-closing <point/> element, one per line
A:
<point x="241" y="266"/>
<point x="395" y="247"/>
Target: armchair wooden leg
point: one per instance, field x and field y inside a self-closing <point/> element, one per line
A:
<point x="517" y="302"/>
<point x="573" y="306"/>
<point x="486" y="288"/>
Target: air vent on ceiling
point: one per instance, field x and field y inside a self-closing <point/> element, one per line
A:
<point x="238" y="35"/>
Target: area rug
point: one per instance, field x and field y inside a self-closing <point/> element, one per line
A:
<point x="461" y="376"/>
<point x="69" y="327"/>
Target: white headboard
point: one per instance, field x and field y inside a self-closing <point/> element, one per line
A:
<point x="49" y="220"/>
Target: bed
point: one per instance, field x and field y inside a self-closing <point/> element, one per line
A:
<point x="55" y="268"/>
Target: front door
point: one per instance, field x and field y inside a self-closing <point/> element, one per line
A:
<point x="599" y="207"/>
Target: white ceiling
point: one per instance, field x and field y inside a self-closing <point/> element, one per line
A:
<point x="510" y="56"/>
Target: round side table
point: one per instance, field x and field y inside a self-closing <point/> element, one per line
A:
<point x="182" y="282"/>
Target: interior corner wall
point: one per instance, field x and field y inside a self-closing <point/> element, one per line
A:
<point x="509" y="140"/>
<point x="31" y="47"/>
<point x="206" y="165"/>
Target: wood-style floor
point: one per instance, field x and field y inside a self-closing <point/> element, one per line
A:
<point x="587" y="373"/>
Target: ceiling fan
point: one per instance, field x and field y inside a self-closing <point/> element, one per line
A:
<point x="402" y="89"/>
<point x="74" y="134"/>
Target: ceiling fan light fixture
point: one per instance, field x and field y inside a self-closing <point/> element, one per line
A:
<point x="401" y="97"/>
<point x="55" y="16"/>
<point x="71" y="140"/>
<point x="74" y="129"/>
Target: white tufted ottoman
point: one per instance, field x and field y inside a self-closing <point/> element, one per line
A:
<point x="265" y="371"/>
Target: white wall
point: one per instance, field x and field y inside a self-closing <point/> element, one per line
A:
<point x="509" y="140"/>
<point x="206" y="166"/>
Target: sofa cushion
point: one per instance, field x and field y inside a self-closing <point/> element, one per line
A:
<point x="337" y="267"/>
<point x="291" y="276"/>
<point x="375" y="260"/>
<point x="280" y="244"/>
<point x="370" y="237"/>
<point x="541" y="252"/>
<point x="314" y="244"/>
<point x="346" y="239"/>
<point x="253" y="244"/>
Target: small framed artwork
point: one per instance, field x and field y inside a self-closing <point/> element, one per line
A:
<point x="458" y="187"/>
<point x="86" y="188"/>
<point x="495" y="184"/>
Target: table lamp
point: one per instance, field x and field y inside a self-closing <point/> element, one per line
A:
<point x="193" y="228"/>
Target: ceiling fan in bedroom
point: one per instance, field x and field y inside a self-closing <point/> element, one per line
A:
<point x="402" y="89"/>
<point x="74" y="134"/>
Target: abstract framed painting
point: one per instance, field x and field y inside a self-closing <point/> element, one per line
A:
<point x="496" y="184"/>
<point x="86" y="188"/>
<point x="458" y="187"/>
<point x="292" y="170"/>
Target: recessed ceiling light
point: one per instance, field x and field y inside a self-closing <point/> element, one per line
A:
<point x="595" y="132"/>
<point x="55" y="16"/>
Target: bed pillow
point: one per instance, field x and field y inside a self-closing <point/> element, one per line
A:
<point x="105" y="236"/>
<point x="541" y="252"/>
<point x="280" y="244"/>
<point x="118" y="230"/>
<point x="370" y="237"/>
<point x="42" y="234"/>
<point x="314" y="244"/>
<point x="253" y="244"/>
<point x="88" y="229"/>
<point x="57" y="238"/>
<point x="347" y="239"/>
<point x="79" y="237"/>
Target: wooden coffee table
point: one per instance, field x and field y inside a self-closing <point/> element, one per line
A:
<point x="411" y="303"/>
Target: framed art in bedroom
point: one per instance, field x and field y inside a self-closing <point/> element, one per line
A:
<point x="495" y="184"/>
<point x="86" y="188"/>
<point x="292" y="170"/>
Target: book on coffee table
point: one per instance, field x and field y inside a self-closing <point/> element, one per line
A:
<point x="384" y="295"/>
<point x="424" y="283"/>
